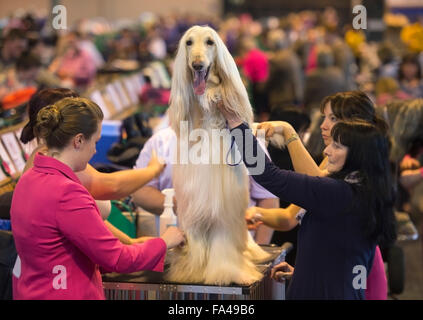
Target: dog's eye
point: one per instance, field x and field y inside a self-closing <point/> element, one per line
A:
<point x="210" y="42"/>
<point x="189" y="42"/>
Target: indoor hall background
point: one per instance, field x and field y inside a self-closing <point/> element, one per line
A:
<point x="131" y="10"/>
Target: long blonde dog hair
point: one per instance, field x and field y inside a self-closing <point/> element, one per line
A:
<point x="212" y="198"/>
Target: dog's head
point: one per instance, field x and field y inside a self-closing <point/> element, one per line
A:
<point x="203" y="72"/>
<point x="201" y="46"/>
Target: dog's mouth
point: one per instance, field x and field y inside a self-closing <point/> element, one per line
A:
<point x="200" y="79"/>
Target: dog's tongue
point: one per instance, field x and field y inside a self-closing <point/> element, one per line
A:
<point x="199" y="82"/>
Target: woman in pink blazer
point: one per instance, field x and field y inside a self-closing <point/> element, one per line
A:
<point x="59" y="234"/>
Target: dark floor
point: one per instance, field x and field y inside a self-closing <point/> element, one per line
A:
<point x="413" y="252"/>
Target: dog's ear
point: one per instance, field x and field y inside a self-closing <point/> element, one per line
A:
<point x="234" y="94"/>
<point x="181" y="91"/>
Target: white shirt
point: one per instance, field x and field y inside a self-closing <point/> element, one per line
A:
<point x="164" y="142"/>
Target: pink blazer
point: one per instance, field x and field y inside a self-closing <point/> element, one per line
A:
<point x="62" y="241"/>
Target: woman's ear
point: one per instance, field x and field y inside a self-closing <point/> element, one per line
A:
<point x="78" y="140"/>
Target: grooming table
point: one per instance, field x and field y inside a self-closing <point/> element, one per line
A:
<point x="149" y="285"/>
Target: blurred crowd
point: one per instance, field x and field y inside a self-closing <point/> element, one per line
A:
<point x="289" y="64"/>
<point x="292" y="61"/>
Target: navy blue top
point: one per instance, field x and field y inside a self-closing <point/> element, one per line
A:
<point x="331" y="241"/>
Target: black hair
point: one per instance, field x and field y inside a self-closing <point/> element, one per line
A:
<point x="386" y="53"/>
<point x="38" y="101"/>
<point x="15" y="34"/>
<point x="354" y="105"/>
<point x="409" y="58"/>
<point x="368" y="154"/>
<point x="27" y="61"/>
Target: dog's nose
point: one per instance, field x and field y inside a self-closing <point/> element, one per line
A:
<point x="197" y="66"/>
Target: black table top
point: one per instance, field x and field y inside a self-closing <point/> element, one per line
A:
<point x="158" y="277"/>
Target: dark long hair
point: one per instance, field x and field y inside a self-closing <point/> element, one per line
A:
<point x="354" y="105"/>
<point x="368" y="154"/>
<point x="38" y="101"/>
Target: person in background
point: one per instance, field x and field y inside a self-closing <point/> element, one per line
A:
<point x="30" y="72"/>
<point x="150" y="95"/>
<point x="156" y="43"/>
<point x="14" y="45"/>
<point x="87" y="43"/>
<point x="344" y="59"/>
<point x="388" y="89"/>
<point x="75" y="66"/>
<point x="60" y="237"/>
<point x="405" y="119"/>
<point x="410" y="76"/>
<point x="144" y="55"/>
<point x="388" y="61"/>
<point x="411" y="178"/>
<point x="255" y="66"/>
<point x="325" y="80"/>
<point x="124" y="46"/>
<point x="285" y="85"/>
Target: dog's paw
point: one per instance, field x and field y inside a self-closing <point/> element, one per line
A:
<point x="214" y="79"/>
<point x="277" y="140"/>
<point x="214" y="95"/>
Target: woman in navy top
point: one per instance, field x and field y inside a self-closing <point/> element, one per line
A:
<point x="348" y="212"/>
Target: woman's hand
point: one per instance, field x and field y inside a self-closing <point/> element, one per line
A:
<point x="282" y="272"/>
<point x="253" y="218"/>
<point x="156" y="164"/>
<point x="231" y="117"/>
<point x="173" y="237"/>
<point x="281" y="127"/>
<point x="409" y="163"/>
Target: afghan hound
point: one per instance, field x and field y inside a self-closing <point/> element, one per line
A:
<point x="212" y="196"/>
